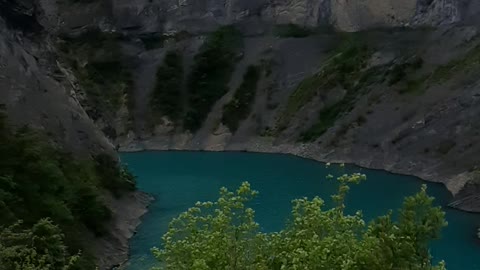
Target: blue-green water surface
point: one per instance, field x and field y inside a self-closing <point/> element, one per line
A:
<point x="179" y="179"/>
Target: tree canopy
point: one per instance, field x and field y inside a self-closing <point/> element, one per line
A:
<point x="224" y="235"/>
<point x="43" y="188"/>
<point x="39" y="248"/>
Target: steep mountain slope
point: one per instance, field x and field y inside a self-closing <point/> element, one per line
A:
<point x="384" y="84"/>
<point x="403" y="100"/>
<point x="38" y="92"/>
<point x="407" y="103"/>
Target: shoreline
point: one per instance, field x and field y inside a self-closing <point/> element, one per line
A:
<point x="287" y="154"/>
<point x="113" y="249"/>
<point x="393" y="164"/>
<point x="135" y="148"/>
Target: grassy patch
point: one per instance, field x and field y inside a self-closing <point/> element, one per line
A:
<point x="464" y="64"/>
<point x="291" y="30"/>
<point x="442" y="73"/>
<point x="344" y="69"/>
<point x="326" y="119"/>
<point x="239" y="108"/>
<point x="95" y="58"/>
<point x="211" y="73"/>
<point x="166" y="97"/>
<point x="416" y="86"/>
<point x="445" y="146"/>
<point x="330" y="114"/>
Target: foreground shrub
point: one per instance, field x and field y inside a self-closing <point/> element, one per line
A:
<point x="224" y="235"/>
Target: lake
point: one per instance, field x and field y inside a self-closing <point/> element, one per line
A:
<point x="179" y="179"/>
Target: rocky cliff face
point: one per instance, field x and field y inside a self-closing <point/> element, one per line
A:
<point x="202" y="15"/>
<point x="35" y="90"/>
<point x="411" y="108"/>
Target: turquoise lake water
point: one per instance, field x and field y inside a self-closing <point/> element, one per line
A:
<point x="179" y="179"/>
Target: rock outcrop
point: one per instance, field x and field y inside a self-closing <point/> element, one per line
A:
<point x="196" y="16"/>
<point x="35" y="91"/>
<point x="202" y="16"/>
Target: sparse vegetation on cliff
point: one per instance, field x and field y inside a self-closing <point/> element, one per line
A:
<point x="211" y="74"/>
<point x="96" y="59"/>
<point x="166" y="97"/>
<point x="347" y="69"/>
<point x="400" y="71"/>
<point x="239" y="107"/>
<point x="457" y="66"/>
<point x="343" y="69"/>
<point x="224" y="235"/>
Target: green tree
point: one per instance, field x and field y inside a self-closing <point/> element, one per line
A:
<point x="38" y="248"/>
<point x="211" y="72"/>
<point x="239" y="107"/>
<point x="39" y="180"/>
<point x="166" y="97"/>
<point x="224" y="235"/>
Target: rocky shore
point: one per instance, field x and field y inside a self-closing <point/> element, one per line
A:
<point x="112" y="250"/>
<point x="455" y="183"/>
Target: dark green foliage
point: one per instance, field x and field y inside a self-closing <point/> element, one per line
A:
<point x="342" y="69"/>
<point x="459" y="66"/>
<point x="397" y="74"/>
<point x="96" y="59"/>
<point x="239" y="108"/>
<point x="166" y="97"/>
<point x="36" y="248"/>
<point x="415" y="86"/>
<point x="346" y="68"/>
<point x="326" y="119"/>
<point x="112" y="177"/>
<point x="330" y="114"/>
<point x="400" y="71"/>
<point x="38" y="180"/>
<point x="356" y="83"/>
<point x="291" y="30"/>
<point x="467" y="63"/>
<point x="153" y="42"/>
<point x="211" y="73"/>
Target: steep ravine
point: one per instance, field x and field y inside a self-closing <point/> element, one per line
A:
<point x="401" y="93"/>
